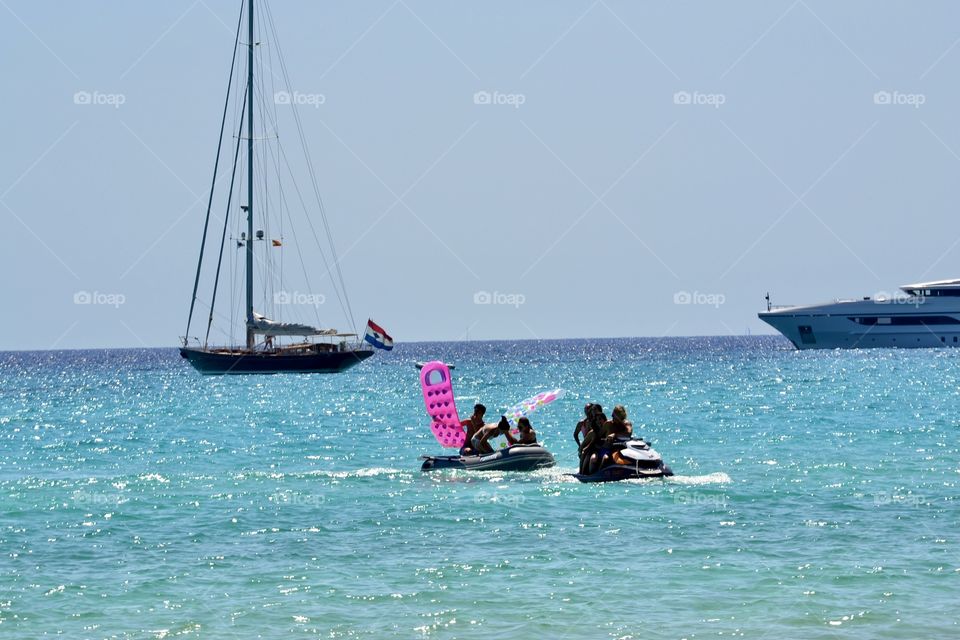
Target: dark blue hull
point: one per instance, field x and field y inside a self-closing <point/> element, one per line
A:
<point x="221" y="363"/>
<point x="615" y="472"/>
<point x="515" y="458"/>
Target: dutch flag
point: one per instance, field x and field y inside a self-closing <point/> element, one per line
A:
<point x="376" y="336"/>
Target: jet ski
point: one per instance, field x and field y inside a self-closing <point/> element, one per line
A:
<point x="641" y="461"/>
<point x="519" y="457"/>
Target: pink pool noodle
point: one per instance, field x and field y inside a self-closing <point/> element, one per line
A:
<point x="438" y="398"/>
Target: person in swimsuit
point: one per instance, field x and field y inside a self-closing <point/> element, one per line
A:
<point x="583" y="427"/>
<point x="527" y="434"/>
<point x="480" y="441"/>
<point x="588" y="454"/>
<point x="471" y="425"/>
<point x="617" y="428"/>
<point x="604" y="439"/>
<point x="592" y="450"/>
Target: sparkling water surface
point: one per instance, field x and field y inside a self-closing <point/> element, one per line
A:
<point x="816" y="496"/>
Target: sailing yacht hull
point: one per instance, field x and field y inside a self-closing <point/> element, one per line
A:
<point x="221" y="363"/>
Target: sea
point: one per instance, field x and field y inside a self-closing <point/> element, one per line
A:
<point x="815" y="496"/>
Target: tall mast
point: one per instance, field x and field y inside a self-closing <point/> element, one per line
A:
<point x="249" y="243"/>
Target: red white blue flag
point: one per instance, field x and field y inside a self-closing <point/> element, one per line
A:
<point x="376" y="336"/>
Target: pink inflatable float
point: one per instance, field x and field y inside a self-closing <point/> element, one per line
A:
<point x="528" y="406"/>
<point x="438" y="398"/>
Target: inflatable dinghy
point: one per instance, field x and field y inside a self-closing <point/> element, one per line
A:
<point x="516" y="458"/>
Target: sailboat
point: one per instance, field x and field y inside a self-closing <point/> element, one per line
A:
<point x="271" y="346"/>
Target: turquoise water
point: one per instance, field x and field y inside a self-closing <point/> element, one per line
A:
<point x="816" y="496"/>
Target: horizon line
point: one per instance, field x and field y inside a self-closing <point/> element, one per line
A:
<point x="415" y="342"/>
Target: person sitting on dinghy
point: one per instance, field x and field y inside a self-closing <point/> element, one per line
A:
<point x="471" y="425"/>
<point x="480" y="441"/>
<point x="527" y="434"/>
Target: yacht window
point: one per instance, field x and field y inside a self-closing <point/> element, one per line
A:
<point x="806" y="334"/>
<point x="915" y="320"/>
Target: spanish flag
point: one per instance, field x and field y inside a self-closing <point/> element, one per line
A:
<point x="276" y="243"/>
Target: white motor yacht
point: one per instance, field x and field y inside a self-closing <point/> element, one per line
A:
<point x="926" y="314"/>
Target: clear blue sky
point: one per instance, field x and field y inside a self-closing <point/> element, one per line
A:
<point x="599" y="199"/>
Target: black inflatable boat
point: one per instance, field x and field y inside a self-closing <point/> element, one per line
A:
<point x="519" y="457"/>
